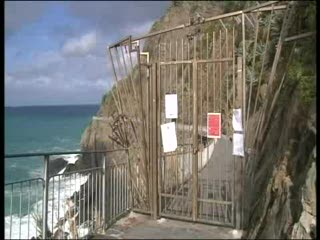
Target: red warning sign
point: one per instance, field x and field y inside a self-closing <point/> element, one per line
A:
<point x="214" y="125"/>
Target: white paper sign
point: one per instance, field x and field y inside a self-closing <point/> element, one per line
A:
<point x="237" y="120"/>
<point x="171" y="104"/>
<point x="169" y="137"/>
<point x="238" y="144"/>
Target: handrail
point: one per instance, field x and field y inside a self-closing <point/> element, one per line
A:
<point x="23" y="181"/>
<point x="60" y="153"/>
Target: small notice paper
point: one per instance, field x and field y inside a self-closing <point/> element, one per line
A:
<point x="169" y="137"/>
<point x="171" y="104"/>
<point x="214" y="125"/>
<point x="238" y="144"/>
<point x="237" y="120"/>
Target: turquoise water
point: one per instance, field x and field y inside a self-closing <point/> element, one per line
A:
<point x="42" y="129"/>
<point x="34" y="130"/>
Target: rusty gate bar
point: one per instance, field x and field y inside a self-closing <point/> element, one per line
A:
<point x="153" y="141"/>
<point x="195" y="141"/>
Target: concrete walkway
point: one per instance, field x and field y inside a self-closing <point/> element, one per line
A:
<point x="138" y="226"/>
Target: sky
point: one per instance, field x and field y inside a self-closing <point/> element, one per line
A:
<point x="55" y="51"/>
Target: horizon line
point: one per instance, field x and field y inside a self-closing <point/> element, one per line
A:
<point x="53" y="105"/>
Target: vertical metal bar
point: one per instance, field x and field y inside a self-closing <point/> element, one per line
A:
<point x="52" y="209"/>
<point x="131" y="72"/>
<point x="244" y="112"/>
<point x="176" y="67"/>
<point x="125" y="70"/>
<point x="165" y="79"/>
<point x="11" y="196"/>
<point x="214" y="109"/>
<point x="92" y="200"/>
<point x="76" y="205"/>
<point x="79" y="211"/>
<point x="189" y="121"/>
<point x="113" y="191"/>
<point x="176" y="159"/>
<point x="117" y="190"/>
<point x="157" y="140"/>
<point x="142" y="128"/>
<point x="227" y="128"/>
<point x="200" y="120"/>
<point x="214" y="69"/>
<point x="208" y="158"/>
<point x="124" y="83"/>
<point x="45" y="197"/>
<point x="88" y="203"/>
<point x="195" y="138"/>
<point x="115" y="75"/>
<point x="59" y="198"/>
<point x="244" y="75"/>
<point x="233" y="106"/>
<point x="126" y="185"/>
<point x="98" y="220"/>
<point x="63" y="204"/>
<point x="121" y="188"/>
<point x="20" y="203"/>
<point x="104" y="217"/>
<point x="239" y="101"/>
<point x="154" y="136"/>
<point x="103" y="192"/>
<point x="182" y="121"/>
<point x="110" y="197"/>
<point x="220" y="110"/>
<point x="220" y="71"/>
<point x="158" y="117"/>
<point x="29" y="208"/>
<point x="170" y="67"/>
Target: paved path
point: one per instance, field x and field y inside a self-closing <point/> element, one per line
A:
<point x="138" y="226"/>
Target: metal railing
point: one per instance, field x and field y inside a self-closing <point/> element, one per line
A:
<point x="70" y="204"/>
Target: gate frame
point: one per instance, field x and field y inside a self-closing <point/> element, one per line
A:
<point x="155" y="154"/>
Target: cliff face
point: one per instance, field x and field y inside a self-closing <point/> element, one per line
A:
<point x="280" y="179"/>
<point x="280" y="182"/>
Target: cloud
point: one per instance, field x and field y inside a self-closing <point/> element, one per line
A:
<point x="80" y="46"/>
<point x="77" y="69"/>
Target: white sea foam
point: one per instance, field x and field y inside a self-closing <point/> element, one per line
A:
<point x="56" y="208"/>
<point x="71" y="158"/>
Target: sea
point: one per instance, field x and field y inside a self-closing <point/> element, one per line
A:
<point x="37" y="129"/>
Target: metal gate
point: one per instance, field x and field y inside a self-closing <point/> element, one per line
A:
<point x="196" y="182"/>
<point x="205" y="66"/>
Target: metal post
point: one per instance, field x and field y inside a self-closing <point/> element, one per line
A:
<point x="195" y="145"/>
<point x="239" y="102"/>
<point x="45" y="197"/>
<point x="153" y="141"/>
<point x="142" y="128"/>
<point x="104" y="192"/>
